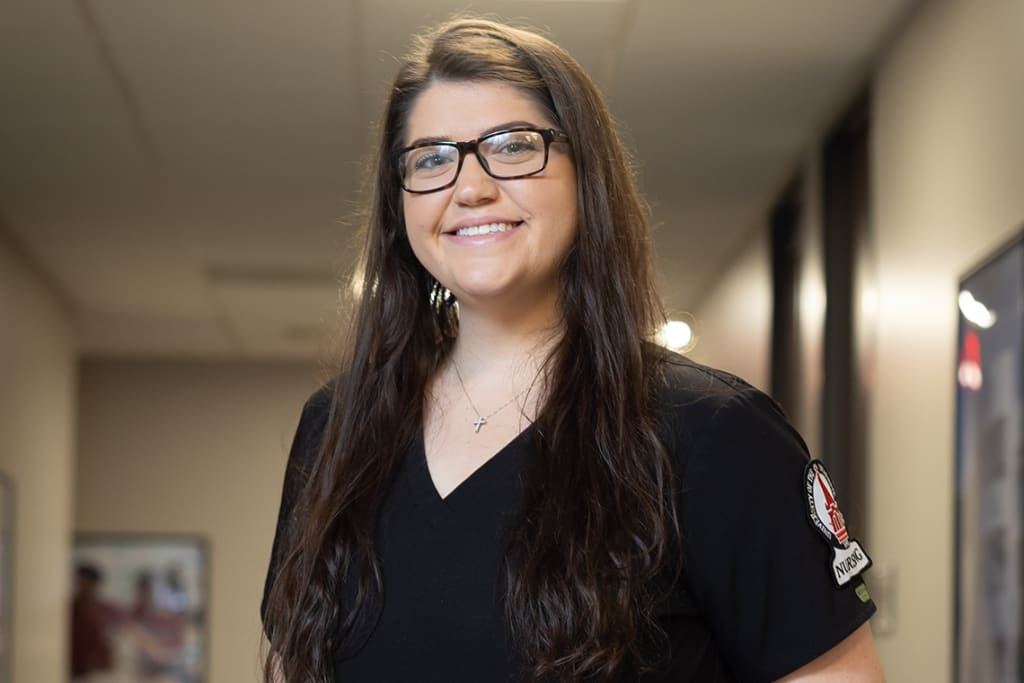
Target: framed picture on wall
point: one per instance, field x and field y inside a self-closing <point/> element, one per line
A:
<point x="139" y="608"/>
<point x="6" y="576"/>
<point x="989" y="589"/>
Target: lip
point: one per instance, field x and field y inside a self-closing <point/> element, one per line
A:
<point x="480" y="220"/>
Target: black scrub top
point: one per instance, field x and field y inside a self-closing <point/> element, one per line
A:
<point x="758" y="598"/>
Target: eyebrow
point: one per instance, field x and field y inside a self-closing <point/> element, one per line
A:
<point x="493" y="129"/>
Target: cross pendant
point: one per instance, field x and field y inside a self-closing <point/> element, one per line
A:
<point x="479" y="422"/>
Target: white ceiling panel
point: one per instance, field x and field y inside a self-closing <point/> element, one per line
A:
<point x="289" y="317"/>
<point x="266" y="81"/>
<point x="60" y="114"/>
<point x="146" y="149"/>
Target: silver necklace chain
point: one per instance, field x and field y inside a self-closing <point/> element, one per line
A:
<point x="482" y="419"/>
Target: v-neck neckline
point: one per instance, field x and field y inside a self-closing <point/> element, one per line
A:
<point x="425" y="488"/>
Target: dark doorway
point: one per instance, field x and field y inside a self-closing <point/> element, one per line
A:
<point x="849" y="333"/>
<point x="786" y="219"/>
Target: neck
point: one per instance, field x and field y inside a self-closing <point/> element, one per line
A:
<point x="497" y="342"/>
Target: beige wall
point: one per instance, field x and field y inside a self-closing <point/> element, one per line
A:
<point x="194" y="448"/>
<point x="948" y="187"/>
<point x="37" y="386"/>
<point x="733" y="320"/>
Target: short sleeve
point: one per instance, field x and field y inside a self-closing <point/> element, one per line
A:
<point x="301" y="459"/>
<point x="759" y="571"/>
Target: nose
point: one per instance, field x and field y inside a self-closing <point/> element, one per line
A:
<point x="474" y="186"/>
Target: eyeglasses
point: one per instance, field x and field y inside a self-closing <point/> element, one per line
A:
<point x="504" y="154"/>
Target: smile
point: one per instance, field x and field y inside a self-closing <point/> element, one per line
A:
<point x="486" y="229"/>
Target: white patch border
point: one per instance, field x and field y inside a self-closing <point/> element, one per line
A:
<point x="842" y="552"/>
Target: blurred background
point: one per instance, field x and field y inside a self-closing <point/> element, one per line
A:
<point x="177" y="188"/>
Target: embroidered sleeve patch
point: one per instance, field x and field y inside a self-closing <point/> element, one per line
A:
<point x="849" y="559"/>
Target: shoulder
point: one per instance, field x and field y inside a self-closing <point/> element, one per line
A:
<point x="316" y="410"/>
<point x="685" y="382"/>
<point x="705" y="410"/>
<point x="311" y="428"/>
<point x="723" y="433"/>
<point x="317" y="406"/>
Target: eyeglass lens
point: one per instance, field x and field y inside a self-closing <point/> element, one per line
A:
<point x="508" y="154"/>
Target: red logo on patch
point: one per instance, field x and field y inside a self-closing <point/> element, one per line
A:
<point x="835" y="517"/>
<point x="822" y="506"/>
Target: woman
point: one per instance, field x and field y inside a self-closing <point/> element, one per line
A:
<point x="508" y="481"/>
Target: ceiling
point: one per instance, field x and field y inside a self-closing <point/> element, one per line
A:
<point x="185" y="173"/>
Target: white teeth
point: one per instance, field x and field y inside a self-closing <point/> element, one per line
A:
<point x="485" y="229"/>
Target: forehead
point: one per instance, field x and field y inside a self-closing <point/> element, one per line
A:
<point x="463" y="110"/>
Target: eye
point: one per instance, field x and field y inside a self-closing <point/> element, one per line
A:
<point x="430" y="161"/>
<point x="508" y="147"/>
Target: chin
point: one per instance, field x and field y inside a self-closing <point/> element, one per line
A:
<point x="481" y="286"/>
<point x="480" y="294"/>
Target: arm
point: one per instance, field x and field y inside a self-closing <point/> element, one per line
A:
<point x="761" y="572"/>
<point x="853" y="660"/>
<point x="300" y="463"/>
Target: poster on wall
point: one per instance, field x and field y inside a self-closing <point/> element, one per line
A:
<point x="138" y="613"/>
<point x="989" y="593"/>
<point x="6" y="576"/>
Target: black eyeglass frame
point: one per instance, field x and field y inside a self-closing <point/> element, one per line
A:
<point x="549" y="135"/>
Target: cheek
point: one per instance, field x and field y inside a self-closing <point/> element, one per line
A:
<point x="408" y="214"/>
<point x="566" y="198"/>
<point x="422" y="214"/>
<point x="564" y="206"/>
<point x="421" y="217"/>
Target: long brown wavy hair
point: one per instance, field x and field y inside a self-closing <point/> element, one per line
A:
<point x="597" y="525"/>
